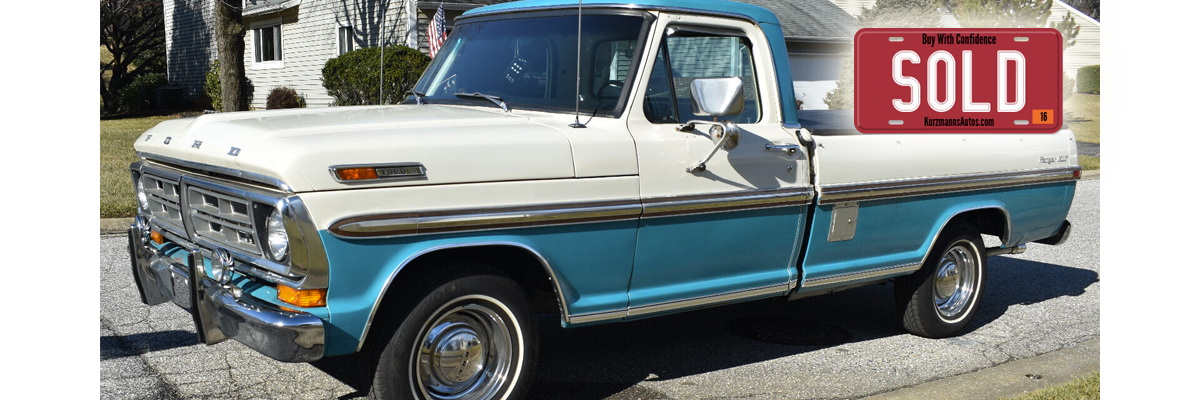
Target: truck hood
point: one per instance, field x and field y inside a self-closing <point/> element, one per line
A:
<point x="455" y="144"/>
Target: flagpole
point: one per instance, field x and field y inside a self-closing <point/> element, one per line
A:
<point x="382" y="30"/>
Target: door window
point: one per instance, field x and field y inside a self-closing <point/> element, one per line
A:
<point x="686" y="56"/>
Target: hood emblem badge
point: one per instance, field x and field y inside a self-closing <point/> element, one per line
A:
<point x="234" y="151"/>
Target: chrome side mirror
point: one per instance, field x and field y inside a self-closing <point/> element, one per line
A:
<point x="717" y="97"/>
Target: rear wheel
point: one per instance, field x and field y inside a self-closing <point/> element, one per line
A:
<point x="469" y="338"/>
<point x="940" y="299"/>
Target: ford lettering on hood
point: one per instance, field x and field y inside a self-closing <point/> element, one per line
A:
<point x="454" y="144"/>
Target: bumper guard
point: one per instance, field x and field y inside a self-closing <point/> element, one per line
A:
<point x="221" y="311"/>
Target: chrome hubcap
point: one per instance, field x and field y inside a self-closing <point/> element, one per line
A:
<point x="954" y="280"/>
<point x="465" y="353"/>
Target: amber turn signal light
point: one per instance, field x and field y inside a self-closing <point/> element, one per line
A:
<point x="156" y="237"/>
<point x="302" y="298"/>
<point x="354" y="174"/>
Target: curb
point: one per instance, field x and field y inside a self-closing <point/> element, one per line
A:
<point x="1009" y="379"/>
<point x="114" y="226"/>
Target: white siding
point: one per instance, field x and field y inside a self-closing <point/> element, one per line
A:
<point x="309" y="33"/>
<point x="1086" y="50"/>
<point x="191" y="47"/>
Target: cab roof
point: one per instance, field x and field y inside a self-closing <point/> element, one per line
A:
<point x="753" y="12"/>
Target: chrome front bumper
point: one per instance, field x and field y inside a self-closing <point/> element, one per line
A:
<point x="220" y="311"/>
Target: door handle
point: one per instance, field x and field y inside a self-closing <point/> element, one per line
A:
<point x="789" y="149"/>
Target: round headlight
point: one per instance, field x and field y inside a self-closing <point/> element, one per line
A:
<point x="141" y="195"/>
<point x="277" y="238"/>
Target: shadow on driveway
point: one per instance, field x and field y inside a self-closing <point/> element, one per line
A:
<point x="608" y="361"/>
<point x="112" y="347"/>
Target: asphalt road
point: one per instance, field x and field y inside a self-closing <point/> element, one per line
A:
<point x="842" y="345"/>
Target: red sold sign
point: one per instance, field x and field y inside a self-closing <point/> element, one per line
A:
<point x="958" y="80"/>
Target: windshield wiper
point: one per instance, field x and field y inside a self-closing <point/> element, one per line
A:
<point x="494" y="99"/>
<point x="419" y="96"/>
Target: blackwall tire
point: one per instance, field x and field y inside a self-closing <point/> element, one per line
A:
<point x="941" y="298"/>
<point x="470" y="338"/>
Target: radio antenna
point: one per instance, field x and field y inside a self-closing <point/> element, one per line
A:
<point x="578" y="47"/>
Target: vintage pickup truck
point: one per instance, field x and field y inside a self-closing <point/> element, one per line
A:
<point x="426" y="235"/>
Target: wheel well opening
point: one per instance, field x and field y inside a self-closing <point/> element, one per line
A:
<point x="517" y="263"/>
<point x="989" y="221"/>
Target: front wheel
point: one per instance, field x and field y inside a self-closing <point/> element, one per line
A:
<point x="940" y="299"/>
<point x="470" y="338"/>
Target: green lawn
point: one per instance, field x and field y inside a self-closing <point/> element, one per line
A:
<point x="116" y="153"/>
<point x="1084" y="388"/>
<point x="1082" y="116"/>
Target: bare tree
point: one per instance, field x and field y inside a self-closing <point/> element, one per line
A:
<point x="230" y="54"/>
<point x="132" y="31"/>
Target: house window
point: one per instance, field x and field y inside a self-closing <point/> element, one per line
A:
<point x="345" y="39"/>
<point x="268" y="44"/>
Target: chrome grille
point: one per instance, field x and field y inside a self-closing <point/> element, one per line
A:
<point x="222" y="219"/>
<point x="163" y="198"/>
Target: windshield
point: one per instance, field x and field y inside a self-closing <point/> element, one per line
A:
<point x="529" y="63"/>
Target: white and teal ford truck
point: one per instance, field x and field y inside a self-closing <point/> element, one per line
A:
<point x="426" y="235"/>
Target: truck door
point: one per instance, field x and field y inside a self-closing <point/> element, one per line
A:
<point x="728" y="231"/>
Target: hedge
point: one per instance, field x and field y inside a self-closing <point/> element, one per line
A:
<point x="1088" y="79"/>
<point x="284" y="97"/>
<point x="353" y="78"/>
<point x="139" y="96"/>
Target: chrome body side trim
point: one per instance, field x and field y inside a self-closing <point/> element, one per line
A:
<point x="778" y="289"/>
<point x="250" y="176"/>
<point x="860" y="275"/>
<point x="598" y="316"/>
<point x="554" y="281"/>
<point x="442" y="221"/>
<point x="839" y="193"/>
<point x="679" y="305"/>
<point x="722" y="202"/>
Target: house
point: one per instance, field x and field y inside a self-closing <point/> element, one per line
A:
<point x="289" y="41"/>
<point x="1086" y="50"/>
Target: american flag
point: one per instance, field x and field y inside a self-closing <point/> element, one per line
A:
<point x="436" y="31"/>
